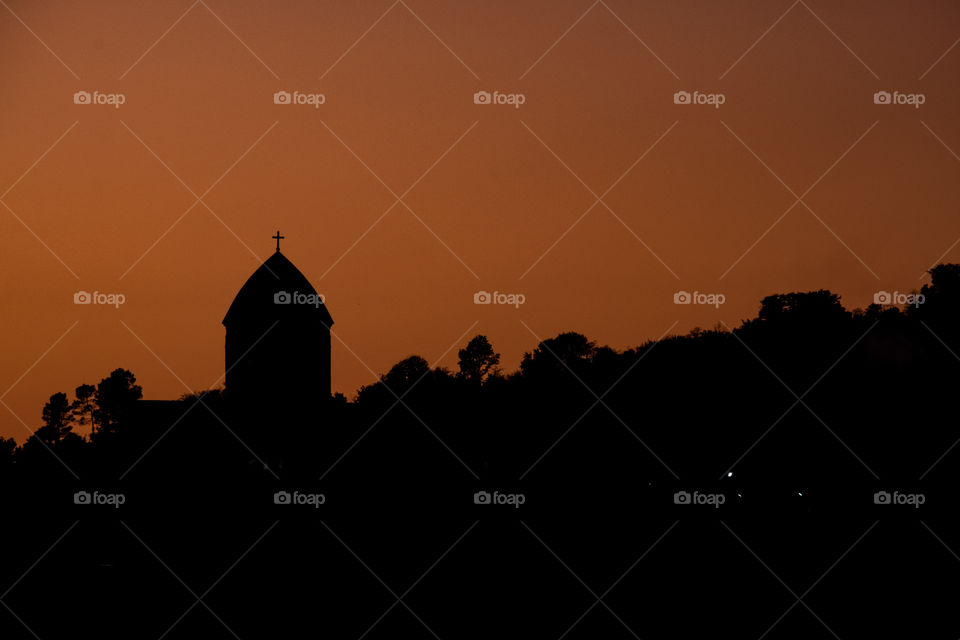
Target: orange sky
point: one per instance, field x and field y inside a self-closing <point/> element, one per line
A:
<point x="97" y="197"/>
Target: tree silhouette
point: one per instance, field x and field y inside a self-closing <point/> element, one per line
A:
<point x="721" y="389"/>
<point x="478" y="360"/>
<point x="113" y="400"/>
<point x="56" y="419"/>
<point x="569" y="351"/>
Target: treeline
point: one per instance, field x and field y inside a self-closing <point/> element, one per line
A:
<point x="805" y="392"/>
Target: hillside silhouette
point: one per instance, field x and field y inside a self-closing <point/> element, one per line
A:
<point x="798" y="417"/>
<point x="847" y="396"/>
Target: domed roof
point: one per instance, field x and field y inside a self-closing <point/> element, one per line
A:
<point x="259" y="295"/>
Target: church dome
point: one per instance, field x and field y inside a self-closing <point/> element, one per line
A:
<point x="275" y="289"/>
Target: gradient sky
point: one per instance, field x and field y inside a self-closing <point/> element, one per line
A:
<point x="98" y="198"/>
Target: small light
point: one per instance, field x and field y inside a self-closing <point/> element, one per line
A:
<point x="729" y="474"/>
<point x="800" y="494"/>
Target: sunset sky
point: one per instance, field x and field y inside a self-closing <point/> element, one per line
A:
<point x="172" y="198"/>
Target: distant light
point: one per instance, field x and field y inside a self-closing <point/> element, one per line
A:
<point x="729" y="474"/>
<point x="799" y="493"/>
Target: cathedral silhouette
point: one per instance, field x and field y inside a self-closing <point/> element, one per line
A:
<point x="276" y="361"/>
<point x="277" y="352"/>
